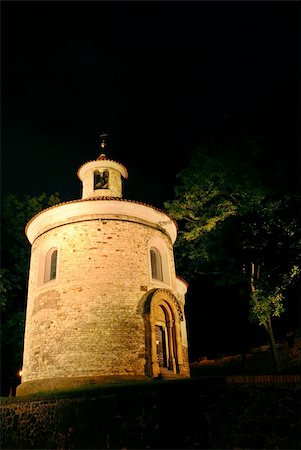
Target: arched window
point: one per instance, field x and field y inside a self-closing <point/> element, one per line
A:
<point x="97" y="179"/>
<point x="156" y="264"/>
<point x="101" y="179"/>
<point x="50" y="264"/>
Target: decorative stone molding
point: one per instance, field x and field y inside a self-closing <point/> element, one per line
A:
<point x="76" y="210"/>
<point x="163" y="292"/>
<point x="174" y="315"/>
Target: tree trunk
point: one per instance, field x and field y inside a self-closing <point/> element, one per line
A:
<point x="275" y="354"/>
<point x="267" y="323"/>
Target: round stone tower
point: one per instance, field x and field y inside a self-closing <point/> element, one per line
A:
<point x="104" y="300"/>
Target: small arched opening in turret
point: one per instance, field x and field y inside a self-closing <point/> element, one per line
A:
<point x="101" y="179"/>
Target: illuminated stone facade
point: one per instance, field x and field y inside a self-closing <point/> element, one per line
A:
<point x="105" y="307"/>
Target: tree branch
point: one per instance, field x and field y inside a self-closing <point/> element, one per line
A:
<point x="253" y="289"/>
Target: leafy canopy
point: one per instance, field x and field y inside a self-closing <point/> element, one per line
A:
<point x="234" y="209"/>
<point x="15" y="249"/>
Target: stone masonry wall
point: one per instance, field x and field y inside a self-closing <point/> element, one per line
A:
<point x="86" y="322"/>
<point x="182" y="414"/>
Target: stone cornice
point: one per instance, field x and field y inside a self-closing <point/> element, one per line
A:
<point x="102" y="163"/>
<point x="97" y="207"/>
<point x="181" y="280"/>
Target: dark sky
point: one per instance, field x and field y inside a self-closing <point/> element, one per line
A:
<point x="158" y="76"/>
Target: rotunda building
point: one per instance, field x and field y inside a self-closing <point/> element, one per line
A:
<point x="104" y="300"/>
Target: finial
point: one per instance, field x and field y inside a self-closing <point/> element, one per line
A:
<point x="103" y="143"/>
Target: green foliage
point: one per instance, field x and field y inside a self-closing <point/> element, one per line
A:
<point x="15" y="213"/>
<point x="233" y="210"/>
<point x="15" y="249"/>
<point x="266" y="305"/>
<point x="213" y="193"/>
<point x="8" y="282"/>
<point x="268" y="300"/>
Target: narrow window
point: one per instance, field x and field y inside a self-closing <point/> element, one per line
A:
<point x="53" y="265"/>
<point x="105" y="180"/>
<point x="97" y="180"/>
<point x="50" y="265"/>
<point x="156" y="264"/>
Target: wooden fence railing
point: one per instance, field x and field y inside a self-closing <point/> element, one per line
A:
<point x="250" y="379"/>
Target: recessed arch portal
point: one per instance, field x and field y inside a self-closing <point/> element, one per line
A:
<point x="164" y="341"/>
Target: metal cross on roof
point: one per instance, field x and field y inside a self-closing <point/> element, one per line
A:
<point x="103" y="143"/>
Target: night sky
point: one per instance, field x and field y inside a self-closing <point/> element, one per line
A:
<point x="159" y="77"/>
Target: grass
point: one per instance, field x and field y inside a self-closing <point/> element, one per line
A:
<point x="257" y="362"/>
<point x="107" y="389"/>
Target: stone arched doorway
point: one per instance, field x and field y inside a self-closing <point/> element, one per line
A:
<point x="164" y="342"/>
<point x="164" y="332"/>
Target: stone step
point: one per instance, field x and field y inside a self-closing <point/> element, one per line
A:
<point x="168" y="374"/>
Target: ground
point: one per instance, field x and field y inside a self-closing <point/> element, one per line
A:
<point x="257" y="362"/>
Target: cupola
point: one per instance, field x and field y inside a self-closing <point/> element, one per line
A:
<point x="102" y="177"/>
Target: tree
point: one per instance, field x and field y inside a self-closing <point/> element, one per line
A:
<point x="272" y="242"/>
<point x="237" y="219"/>
<point x="15" y="249"/>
